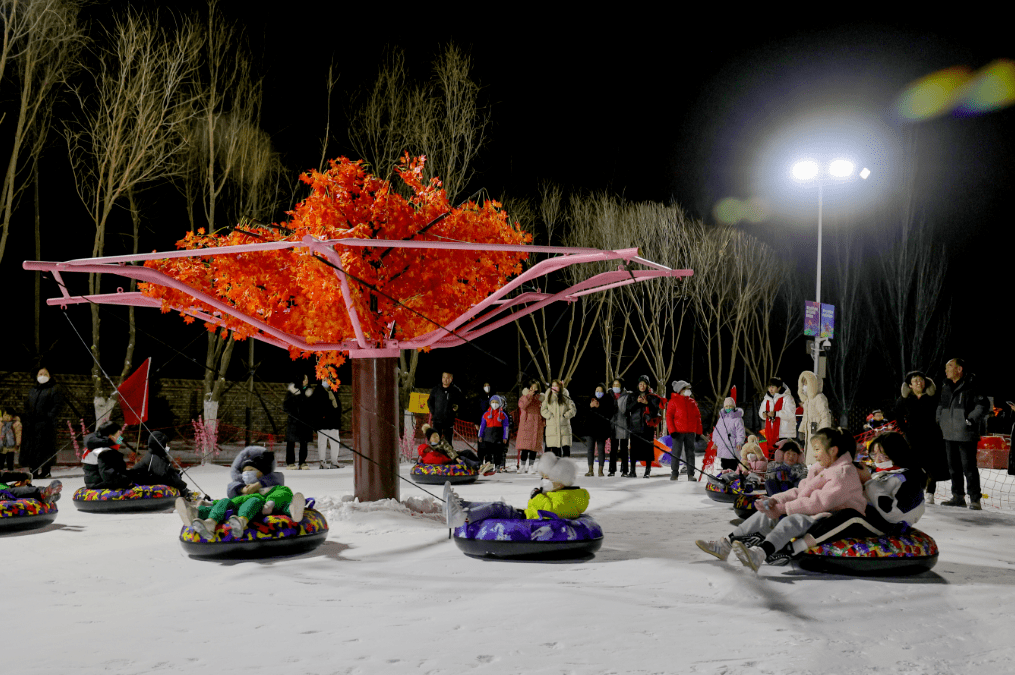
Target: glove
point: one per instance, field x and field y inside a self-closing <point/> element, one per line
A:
<point x="968" y="423"/>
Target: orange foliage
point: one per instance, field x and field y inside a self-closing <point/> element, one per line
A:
<point x="296" y="292"/>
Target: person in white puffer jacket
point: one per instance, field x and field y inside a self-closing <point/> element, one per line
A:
<point x="816" y="412"/>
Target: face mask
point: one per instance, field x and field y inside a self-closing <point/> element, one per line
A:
<point x="599" y="394"/>
<point x="167" y="450"/>
<point x="616" y="390"/>
<point x="119" y="440"/>
<point x="729" y="410"/>
<point x="435" y="443"/>
<point x="546" y="484"/>
<point x="887" y="464"/>
<point x="250" y="477"/>
<point x="686" y="392"/>
<point x="495" y="404"/>
<point x="486" y="389"/>
<point x="43" y="379"/>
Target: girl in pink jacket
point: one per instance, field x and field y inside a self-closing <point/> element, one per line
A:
<point x="832" y="484"/>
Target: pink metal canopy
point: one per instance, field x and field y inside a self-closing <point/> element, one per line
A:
<point x="492" y="313"/>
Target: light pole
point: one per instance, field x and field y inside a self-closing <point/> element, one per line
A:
<point x="805" y="171"/>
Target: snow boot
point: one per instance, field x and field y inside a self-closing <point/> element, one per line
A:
<point x="600" y="471"/>
<point x="750" y="557"/>
<point x="956" y="500"/>
<point x="297" y="506"/>
<point x="720" y="549"/>
<point x="51" y="492"/>
<point x="590" y="473"/>
<point x="237" y="524"/>
<point x="674" y="476"/>
<point x="974" y="505"/>
<point x="187" y="513"/>
<point x="454" y="514"/>
<point x="205" y="528"/>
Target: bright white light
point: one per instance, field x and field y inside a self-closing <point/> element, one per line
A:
<point x="805" y="170"/>
<point x="866" y="172"/>
<point x="841" y="168"/>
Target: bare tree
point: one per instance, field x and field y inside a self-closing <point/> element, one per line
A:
<point x="41" y="41"/>
<point x="776" y="319"/>
<point x="378" y="128"/>
<point x="914" y="269"/>
<point x="128" y="131"/>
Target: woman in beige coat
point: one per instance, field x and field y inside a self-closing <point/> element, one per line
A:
<point x="816" y="412"/>
<point x="558" y="409"/>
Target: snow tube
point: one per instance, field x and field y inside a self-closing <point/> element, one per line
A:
<point x="25" y="514"/>
<point x="137" y="498"/>
<point x="546" y="539"/>
<point x="438" y="474"/>
<point x="720" y="492"/>
<point x="744" y="504"/>
<point x="911" y="552"/>
<point x="277" y="535"/>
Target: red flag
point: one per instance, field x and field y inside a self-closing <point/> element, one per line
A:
<point x="733" y="395"/>
<point x="134" y="395"/>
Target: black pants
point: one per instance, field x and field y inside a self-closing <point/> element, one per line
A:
<point x="962" y="463"/>
<point x="564" y="451"/>
<point x="725" y="462"/>
<point x="8" y="459"/>
<point x="618" y="448"/>
<point x="290" y="452"/>
<point x="641" y="449"/>
<point x="683" y="444"/>
<point x="495" y="453"/>
<point x="527" y="455"/>
<point x="592" y="444"/>
<point x="445" y="429"/>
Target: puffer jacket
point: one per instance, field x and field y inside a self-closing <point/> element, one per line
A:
<point x="638" y="414"/>
<point x="105" y="468"/>
<point x="682" y="415"/>
<point x="558" y="416"/>
<point x="530" y="421"/>
<point x="269" y="479"/>
<point x="433" y="454"/>
<point x="156" y="468"/>
<point x="825" y="490"/>
<point x="495" y="425"/>
<point x="961" y="409"/>
<point x="599" y="421"/>
<point x="728" y="434"/>
<point x="568" y="502"/>
<point x="816" y="412"/>
<point x="786" y="414"/>
<point x="917" y="419"/>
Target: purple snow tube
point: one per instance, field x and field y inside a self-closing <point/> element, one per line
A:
<point x="547" y="538"/>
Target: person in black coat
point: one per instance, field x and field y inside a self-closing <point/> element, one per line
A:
<point x="156" y="467"/>
<point x="642" y="407"/>
<point x="916" y="415"/>
<point x="298" y="427"/>
<point x="599" y="425"/>
<point x="105" y="468"/>
<point x="443" y="403"/>
<point x="38" y="435"/>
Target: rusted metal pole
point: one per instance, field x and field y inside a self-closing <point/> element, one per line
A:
<point x="375" y="426"/>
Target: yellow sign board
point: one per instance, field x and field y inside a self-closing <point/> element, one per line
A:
<point x="417" y="402"/>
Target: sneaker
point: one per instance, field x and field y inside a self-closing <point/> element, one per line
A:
<point x="630" y="474"/>
<point x="956" y="500"/>
<point x="974" y="506"/>
<point x="647" y="474"/>
<point x="750" y="557"/>
<point x="749" y="540"/>
<point x="51" y="492"/>
<point x="187" y="513"/>
<point x="720" y="549"/>
<point x="501" y="469"/>
<point x="487" y="469"/>
<point x="290" y="467"/>
<point x="204" y="528"/>
<point x="297" y="506"/>
<point x="304" y="467"/>
<point x="326" y="465"/>
<point x="454" y="514"/>
<point x="930" y="498"/>
<point x="611" y="474"/>
<point x="780" y="558"/>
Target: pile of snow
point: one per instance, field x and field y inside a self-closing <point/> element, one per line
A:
<point x="349" y="508"/>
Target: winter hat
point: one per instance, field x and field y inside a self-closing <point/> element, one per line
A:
<point x="499" y="399"/>
<point x="262" y="461"/>
<point x="729" y="403"/>
<point x="428" y="431"/>
<point x="546" y="462"/>
<point x="751" y="446"/>
<point x="645" y="379"/>
<point x="680" y="385"/>
<point x="157" y="442"/>
<point x="564" y="473"/>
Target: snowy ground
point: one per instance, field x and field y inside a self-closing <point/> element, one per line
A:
<point x="388" y="593"/>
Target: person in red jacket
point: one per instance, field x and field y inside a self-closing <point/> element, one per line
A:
<point x="683" y="421"/>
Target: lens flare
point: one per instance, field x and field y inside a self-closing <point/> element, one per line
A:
<point x="933" y="95"/>
<point x="992" y="88"/>
<point x="730" y="210"/>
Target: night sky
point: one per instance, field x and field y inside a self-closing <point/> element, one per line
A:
<point x="652" y="106"/>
